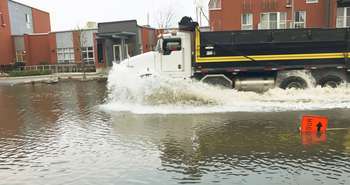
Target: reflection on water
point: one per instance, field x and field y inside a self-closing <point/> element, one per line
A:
<point x="58" y="135"/>
<point x="237" y="148"/>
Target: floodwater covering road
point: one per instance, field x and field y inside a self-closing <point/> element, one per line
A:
<point x="80" y="133"/>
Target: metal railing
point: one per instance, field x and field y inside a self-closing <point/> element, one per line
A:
<point x="60" y="68"/>
<point x="6" y="68"/>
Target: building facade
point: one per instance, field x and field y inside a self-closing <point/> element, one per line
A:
<point x="26" y="39"/>
<point x="278" y="14"/>
<point x="6" y="52"/>
<point x="17" y="19"/>
<point x="116" y="41"/>
<point x="75" y="46"/>
<point x="65" y="47"/>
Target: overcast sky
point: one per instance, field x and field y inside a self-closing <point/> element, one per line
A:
<point x="68" y="14"/>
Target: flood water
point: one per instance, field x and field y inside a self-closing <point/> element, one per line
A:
<point x="59" y="134"/>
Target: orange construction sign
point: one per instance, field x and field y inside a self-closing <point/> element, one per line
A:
<point x="314" y="124"/>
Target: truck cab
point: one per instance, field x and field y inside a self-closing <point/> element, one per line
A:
<point x="171" y="58"/>
<point x="174" y="55"/>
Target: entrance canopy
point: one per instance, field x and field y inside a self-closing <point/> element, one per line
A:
<point x="116" y="45"/>
<point x="116" y="35"/>
<point x="343" y="3"/>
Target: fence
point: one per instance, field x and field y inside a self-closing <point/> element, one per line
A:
<point x="60" y="68"/>
<point x="6" y="68"/>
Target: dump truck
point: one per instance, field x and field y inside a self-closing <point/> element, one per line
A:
<point x="251" y="60"/>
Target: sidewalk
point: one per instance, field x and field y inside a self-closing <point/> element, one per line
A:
<point x="50" y="78"/>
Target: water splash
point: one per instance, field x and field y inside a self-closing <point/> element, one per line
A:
<point x="160" y="95"/>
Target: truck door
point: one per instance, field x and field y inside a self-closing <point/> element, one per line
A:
<point x="173" y="55"/>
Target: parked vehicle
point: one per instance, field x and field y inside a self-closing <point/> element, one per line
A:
<point x="251" y="60"/>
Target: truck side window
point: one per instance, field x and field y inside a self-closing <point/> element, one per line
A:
<point x="170" y="45"/>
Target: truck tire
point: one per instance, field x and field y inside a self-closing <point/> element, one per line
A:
<point x="330" y="77"/>
<point x="330" y="81"/>
<point x="293" y="82"/>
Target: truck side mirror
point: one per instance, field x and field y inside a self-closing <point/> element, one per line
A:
<point x="159" y="49"/>
<point x="166" y="52"/>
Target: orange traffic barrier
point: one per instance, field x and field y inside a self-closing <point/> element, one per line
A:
<point x="314" y="124"/>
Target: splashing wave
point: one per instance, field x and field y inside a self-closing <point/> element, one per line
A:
<point x="159" y="95"/>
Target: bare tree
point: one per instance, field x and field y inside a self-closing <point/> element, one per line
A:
<point x="82" y="41"/>
<point x="165" y="18"/>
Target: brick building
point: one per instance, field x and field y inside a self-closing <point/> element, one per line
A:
<point x="17" y="19"/>
<point x="26" y="38"/>
<point x="278" y="14"/>
<point x="63" y="47"/>
<point x="74" y="46"/>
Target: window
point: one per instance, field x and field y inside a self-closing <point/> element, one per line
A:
<point x="65" y="55"/>
<point x="100" y="53"/>
<point x="273" y="20"/>
<point x="2" y="20"/>
<point x="247" y="21"/>
<point x="170" y="45"/>
<point x="311" y="1"/>
<point x="28" y="21"/>
<point x="283" y="20"/>
<point x="215" y="4"/>
<point x="20" y="56"/>
<point x="299" y="21"/>
<point x="343" y="17"/>
<point x="87" y="54"/>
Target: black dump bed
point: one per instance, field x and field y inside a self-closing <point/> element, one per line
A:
<point x="270" y="42"/>
<point x="290" y="47"/>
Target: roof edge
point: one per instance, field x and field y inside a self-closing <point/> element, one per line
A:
<point x="28" y="6"/>
<point x="131" y="20"/>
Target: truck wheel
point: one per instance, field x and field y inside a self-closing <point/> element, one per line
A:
<point x="293" y="82"/>
<point x="330" y="77"/>
<point x="331" y="81"/>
